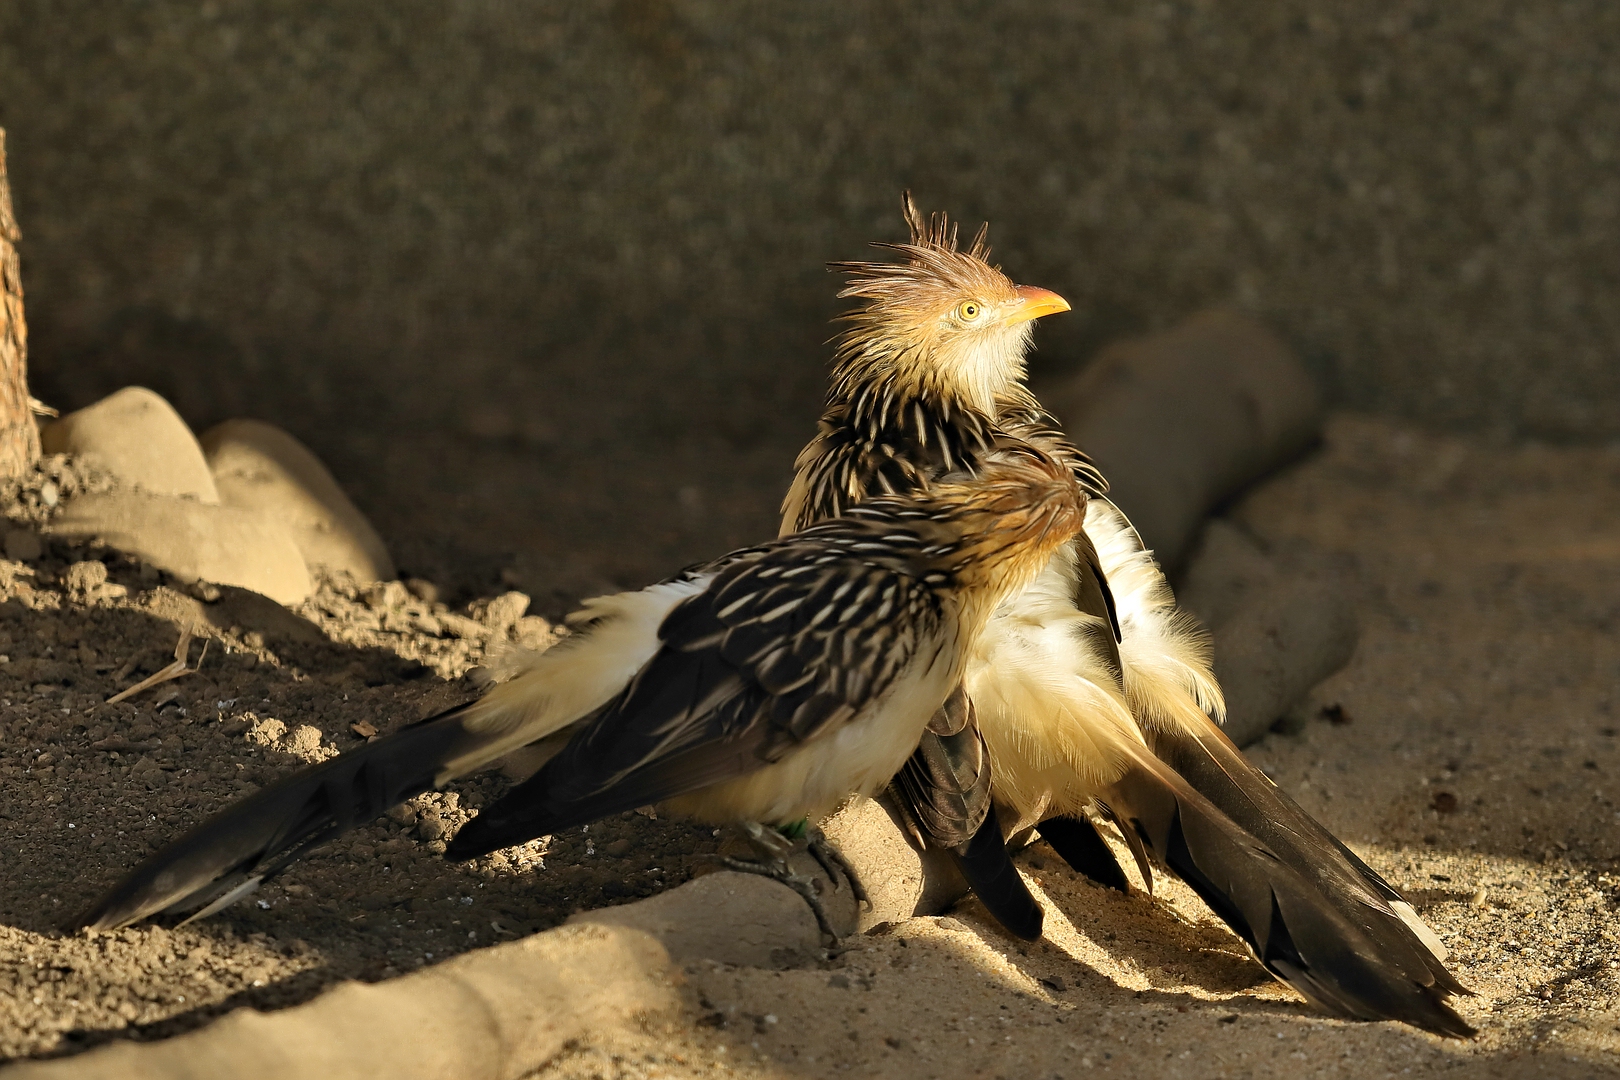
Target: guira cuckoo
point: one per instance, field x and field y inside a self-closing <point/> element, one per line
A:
<point x="1091" y="689"/>
<point x="763" y="687"/>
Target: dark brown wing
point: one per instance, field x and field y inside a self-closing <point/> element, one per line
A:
<point x="945" y="786"/>
<point x="781" y="646"/>
<point x="943" y="797"/>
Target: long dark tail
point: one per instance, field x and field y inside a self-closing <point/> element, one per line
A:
<point x="1212" y="764"/>
<point x="984" y="862"/>
<point x="1313" y="913"/>
<point x="228" y="855"/>
<point x="944" y="790"/>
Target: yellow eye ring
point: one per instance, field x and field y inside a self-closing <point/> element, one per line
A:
<point x="968" y="310"/>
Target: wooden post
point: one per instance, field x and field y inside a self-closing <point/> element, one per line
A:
<point x="19" y="437"/>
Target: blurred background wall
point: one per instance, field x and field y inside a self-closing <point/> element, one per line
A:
<point x="534" y="276"/>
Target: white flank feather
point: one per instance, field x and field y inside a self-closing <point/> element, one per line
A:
<point x="1053" y="717"/>
<point x="1165" y="653"/>
<point x="556" y="688"/>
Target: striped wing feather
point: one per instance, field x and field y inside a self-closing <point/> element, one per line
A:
<point x="782" y="647"/>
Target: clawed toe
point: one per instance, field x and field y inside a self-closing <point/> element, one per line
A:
<point x="774" y="849"/>
<point x="833" y="862"/>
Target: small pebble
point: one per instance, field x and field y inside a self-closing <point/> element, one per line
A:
<point x="304" y="740"/>
<point x="266" y="731"/>
<point x="505" y="610"/>
<point x="386" y="595"/>
<point x="83" y="577"/>
<point x="430" y="826"/>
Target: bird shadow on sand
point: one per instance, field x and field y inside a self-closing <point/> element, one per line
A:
<point x="1161" y="943"/>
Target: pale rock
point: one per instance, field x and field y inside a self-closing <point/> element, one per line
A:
<point x="386" y="596"/>
<point x="1281" y="624"/>
<point x="533" y="632"/>
<point x="257" y="466"/>
<point x="492" y="1014"/>
<point x="87" y="582"/>
<point x="1182" y="420"/>
<point x="303" y="740"/>
<point x="901" y="881"/>
<point x="83" y="577"/>
<point x="192" y="540"/>
<point x="140" y="439"/>
<point x="731" y="917"/>
<point x="462" y="627"/>
<point x="430" y="824"/>
<point x="266" y="731"/>
<point x="500" y="613"/>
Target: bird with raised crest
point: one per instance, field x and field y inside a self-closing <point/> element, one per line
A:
<point x="1090" y="689"/>
<point x="759" y="689"/>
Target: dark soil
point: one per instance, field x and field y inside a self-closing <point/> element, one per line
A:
<point x="87" y="789"/>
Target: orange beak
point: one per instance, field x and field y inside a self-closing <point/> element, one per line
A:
<point x="1036" y="302"/>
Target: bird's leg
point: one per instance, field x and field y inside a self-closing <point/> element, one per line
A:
<point x="775" y="848"/>
<point x="774" y="844"/>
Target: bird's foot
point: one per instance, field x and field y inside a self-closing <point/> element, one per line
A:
<point x="832" y="860"/>
<point x="774" y="849"/>
<point x="778" y="870"/>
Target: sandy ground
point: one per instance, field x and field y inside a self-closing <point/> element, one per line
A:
<point x="1469" y="752"/>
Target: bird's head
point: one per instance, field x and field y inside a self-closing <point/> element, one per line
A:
<point x="939" y="320"/>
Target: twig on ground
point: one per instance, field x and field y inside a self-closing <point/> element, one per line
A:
<point x="173" y="671"/>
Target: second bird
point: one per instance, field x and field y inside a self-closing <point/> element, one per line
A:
<point x="1092" y="690"/>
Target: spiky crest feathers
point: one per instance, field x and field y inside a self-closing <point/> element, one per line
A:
<point x="910" y="337"/>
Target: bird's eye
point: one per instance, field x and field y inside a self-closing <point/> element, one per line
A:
<point x="968" y="310"/>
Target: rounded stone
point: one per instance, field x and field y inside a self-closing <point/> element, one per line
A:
<point x="1281" y="625"/>
<point x="727" y="916"/>
<point x="140" y="439"/>
<point x="193" y="541"/>
<point x="1182" y="420"/>
<point x="258" y="466"/>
